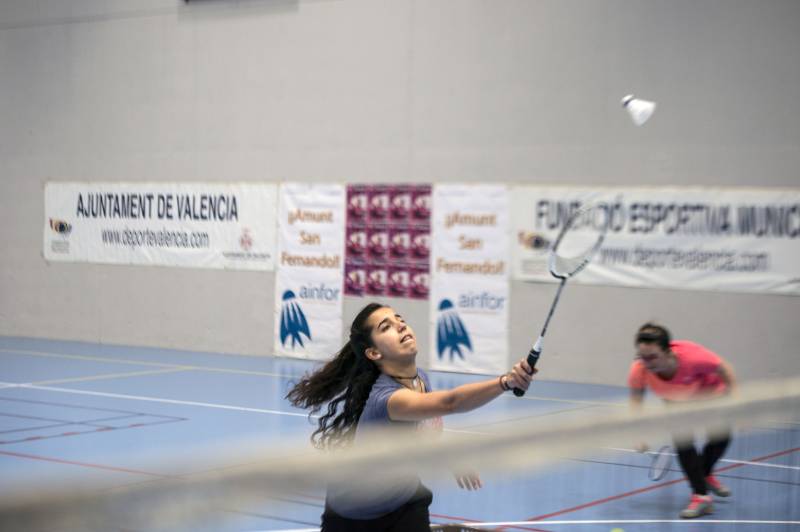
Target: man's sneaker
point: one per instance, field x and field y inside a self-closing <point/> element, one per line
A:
<point x="716" y="487"/>
<point x="699" y="505"/>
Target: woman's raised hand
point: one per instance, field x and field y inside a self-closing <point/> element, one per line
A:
<point x="520" y="375"/>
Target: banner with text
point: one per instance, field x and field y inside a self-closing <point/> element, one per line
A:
<point x="196" y="225"/>
<point x="469" y="279"/>
<point x="727" y="239"/>
<point x="308" y="284"/>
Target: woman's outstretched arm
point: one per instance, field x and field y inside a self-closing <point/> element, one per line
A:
<point x="407" y="405"/>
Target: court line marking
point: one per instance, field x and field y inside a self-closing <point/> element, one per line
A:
<point x="289" y="530"/>
<point x="596" y="522"/>
<point x="679" y="471"/>
<point x="468" y="429"/>
<point x="92" y="358"/>
<point x="128" y="361"/>
<point x="108" y="376"/>
<point x="82" y="464"/>
<point x="84" y="407"/>
<point x="731" y="461"/>
<point x="536" y="520"/>
<point x="93" y="430"/>
<point x="574" y="401"/>
<point x="637" y="521"/>
<point x="643" y="521"/>
<point x="162" y="400"/>
<point x="57" y="422"/>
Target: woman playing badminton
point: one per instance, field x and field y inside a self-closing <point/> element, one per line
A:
<point x="684" y="371"/>
<point x="373" y="381"/>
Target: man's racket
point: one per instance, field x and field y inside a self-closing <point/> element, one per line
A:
<point x="660" y="462"/>
<point x="579" y="239"/>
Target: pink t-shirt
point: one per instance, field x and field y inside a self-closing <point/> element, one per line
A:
<point x="697" y="374"/>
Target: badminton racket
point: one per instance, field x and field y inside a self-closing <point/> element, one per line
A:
<point x="577" y="242"/>
<point x="659" y="463"/>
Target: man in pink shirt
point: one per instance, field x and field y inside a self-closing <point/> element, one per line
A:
<point x="684" y="371"/>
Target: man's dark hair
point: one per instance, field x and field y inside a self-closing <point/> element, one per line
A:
<point x="650" y="333"/>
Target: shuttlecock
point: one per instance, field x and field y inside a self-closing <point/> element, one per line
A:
<point x="640" y="110"/>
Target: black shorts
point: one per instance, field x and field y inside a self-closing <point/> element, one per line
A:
<point x="411" y="517"/>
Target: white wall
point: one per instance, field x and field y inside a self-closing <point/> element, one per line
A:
<point x="520" y="91"/>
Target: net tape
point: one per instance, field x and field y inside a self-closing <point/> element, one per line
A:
<point x="276" y="470"/>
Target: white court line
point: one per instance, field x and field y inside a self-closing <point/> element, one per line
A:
<point x="573" y="401"/>
<point x="289" y="530"/>
<point x="595" y="522"/>
<point x="109" y="376"/>
<point x="253" y="372"/>
<point x="141" y="362"/>
<point x="460" y="431"/>
<point x="762" y="464"/>
<point x="634" y="522"/>
<point x="743" y="462"/>
<point x="158" y="400"/>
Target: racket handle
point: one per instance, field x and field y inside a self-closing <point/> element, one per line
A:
<point x="533" y="358"/>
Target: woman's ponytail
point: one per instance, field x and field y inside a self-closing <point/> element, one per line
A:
<point x="343" y="384"/>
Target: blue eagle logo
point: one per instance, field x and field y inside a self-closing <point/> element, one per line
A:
<point x="451" y="334"/>
<point x="293" y="321"/>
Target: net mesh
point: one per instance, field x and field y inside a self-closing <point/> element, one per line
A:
<point x="532" y="455"/>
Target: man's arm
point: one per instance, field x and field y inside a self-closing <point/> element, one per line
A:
<point x="637" y="397"/>
<point x="636" y="402"/>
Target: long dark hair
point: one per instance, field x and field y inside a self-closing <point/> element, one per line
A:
<point x="343" y="384"/>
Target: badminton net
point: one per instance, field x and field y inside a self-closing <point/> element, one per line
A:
<point x="251" y="482"/>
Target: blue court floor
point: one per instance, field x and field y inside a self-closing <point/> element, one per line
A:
<point x="98" y="412"/>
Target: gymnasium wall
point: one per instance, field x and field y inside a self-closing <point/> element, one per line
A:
<point x="515" y="91"/>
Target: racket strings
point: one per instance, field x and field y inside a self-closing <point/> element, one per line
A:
<point x="579" y="239"/>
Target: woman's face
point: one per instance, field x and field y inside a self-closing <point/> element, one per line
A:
<point x="391" y="336"/>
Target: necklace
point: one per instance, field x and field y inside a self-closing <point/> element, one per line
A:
<point x="414" y="379"/>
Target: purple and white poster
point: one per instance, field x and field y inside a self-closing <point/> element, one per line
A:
<point x="388" y="240"/>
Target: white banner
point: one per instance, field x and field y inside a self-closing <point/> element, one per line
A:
<point x="470" y="274"/>
<point x="308" y="284"/>
<point x="728" y="239"/>
<point x="197" y="225"/>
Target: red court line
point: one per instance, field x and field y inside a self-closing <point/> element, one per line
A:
<point x="81" y="433"/>
<point x="82" y="464"/>
<point x="651" y="488"/>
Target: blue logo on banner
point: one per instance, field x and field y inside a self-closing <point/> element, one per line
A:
<point x="293" y="321"/>
<point x="451" y="333"/>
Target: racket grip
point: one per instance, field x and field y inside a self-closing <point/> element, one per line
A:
<point x="533" y="358"/>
